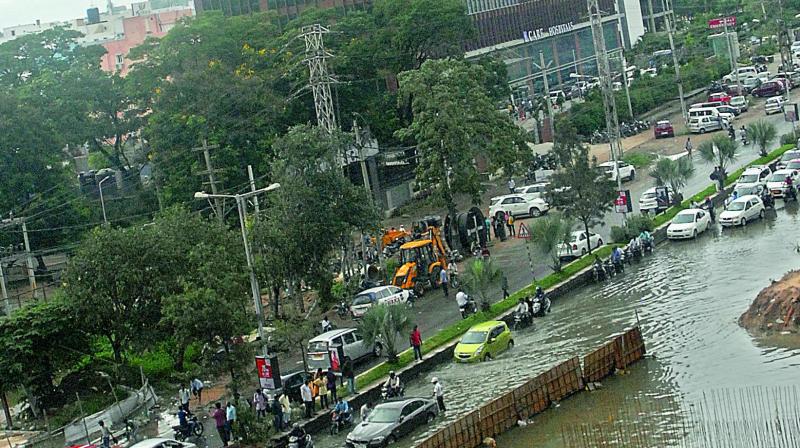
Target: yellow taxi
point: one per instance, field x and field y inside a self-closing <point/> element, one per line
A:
<point x="483" y="342"/>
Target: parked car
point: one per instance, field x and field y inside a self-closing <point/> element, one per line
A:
<point x="755" y="175"/>
<point x="537" y="190"/>
<point x="650" y="202"/>
<point x="776" y="181"/>
<point x="793" y="164"/>
<point x="688" y="224"/>
<point x="741" y="211"/>
<point x="388" y="422"/>
<point x="389" y="295"/>
<point x="728" y="111"/>
<point x="701" y="125"/>
<point x="319" y="350"/>
<point x="290" y="385"/>
<point x="161" y="442"/>
<point x="626" y="171"/>
<point x="720" y="97"/>
<point x="793" y="77"/>
<point x="768" y="89"/>
<point x="744" y="72"/>
<point x="578" y="244"/>
<point x="787" y="157"/>
<point x="739" y="102"/>
<point x="785" y="83"/>
<point x="557" y="95"/>
<point x="751" y="83"/>
<point x="744" y="190"/>
<point x="664" y="128"/>
<point x="774" y="105"/>
<point x="483" y="342"/>
<point x="519" y="205"/>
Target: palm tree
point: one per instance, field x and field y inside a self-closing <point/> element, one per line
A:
<point x="721" y="151"/>
<point x="480" y="277"/>
<point x="384" y="323"/>
<point x="674" y="173"/>
<point x="547" y="234"/>
<point x="763" y="133"/>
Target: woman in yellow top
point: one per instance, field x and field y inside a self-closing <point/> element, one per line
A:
<point x="319" y="388"/>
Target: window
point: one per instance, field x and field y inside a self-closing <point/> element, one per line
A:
<point x="356" y="335"/>
<point x="120" y="59"/>
<point x="496" y="331"/>
<point x="410" y="408"/>
<point x="337" y="341"/>
<point x="508" y="201"/>
<point x="349" y="339"/>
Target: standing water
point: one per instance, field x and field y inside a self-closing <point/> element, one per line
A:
<point x="687" y="297"/>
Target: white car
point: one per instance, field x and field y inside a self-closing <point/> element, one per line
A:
<point x="776" y="181"/>
<point x="688" y="224"/>
<point x="518" y="205"/>
<point x="160" y="442"/>
<point x="774" y="105"/>
<point x="744" y="72"/>
<point x="742" y="210"/>
<point x="626" y="171"/>
<point x="388" y="295"/>
<point x="787" y="157"/>
<point x="579" y="244"/>
<point x="649" y="202"/>
<point x="537" y="190"/>
<point x="755" y="175"/>
<point x="739" y="102"/>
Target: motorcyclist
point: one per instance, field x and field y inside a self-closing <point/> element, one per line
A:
<point x="300" y="433"/>
<point x="789" y="186"/>
<point x="646" y="238"/>
<point x="634" y="244"/>
<point x="393" y="385"/>
<point x="732" y="133"/>
<point x="462" y="299"/>
<point x="744" y="133"/>
<point x="523" y="311"/>
<point x="326" y="324"/>
<point x="342" y="411"/>
<point x="187" y="426"/>
<point x="541" y="297"/>
<point x="616" y="255"/>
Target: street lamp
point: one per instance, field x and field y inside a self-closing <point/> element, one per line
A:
<point x="240" y="204"/>
<point x="102" y="202"/>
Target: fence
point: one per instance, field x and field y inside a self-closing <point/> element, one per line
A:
<point x="537" y="394"/>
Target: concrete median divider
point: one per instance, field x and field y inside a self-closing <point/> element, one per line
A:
<point x="537" y="394"/>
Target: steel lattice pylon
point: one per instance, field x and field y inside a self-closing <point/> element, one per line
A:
<point x="319" y="78"/>
<point x="604" y="74"/>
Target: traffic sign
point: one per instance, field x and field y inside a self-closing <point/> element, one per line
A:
<point x="523" y="231"/>
<point x="721" y="22"/>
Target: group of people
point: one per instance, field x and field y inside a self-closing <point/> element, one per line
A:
<point x="322" y="387"/>
<point x="279" y="407"/>
<point x="528" y="306"/>
<point x="224" y="420"/>
<point x="196" y="388"/>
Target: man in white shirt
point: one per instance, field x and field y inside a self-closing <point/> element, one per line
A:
<point x="308" y="399"/>
<point x="461" y="298"/>
<point x="512" y="185"/>
<point x="438" y="392"/>
<point x="197" y="389"/>
<point x="183" y="397"/>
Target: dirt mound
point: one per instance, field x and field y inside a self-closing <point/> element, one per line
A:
<point x="776" y="309"/>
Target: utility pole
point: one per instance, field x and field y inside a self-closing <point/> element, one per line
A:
<point x="362" y="161"/>
<point x="734" y="65"/>
<point x="29" y="259"/>
<point x="625" y="82"/>
<point x="606" y="87"/>
<point x="3" y="289"/>
<point x="547" y="98"/>
<point x="675" y="64"/>
<point x="211" y="173"/>
<point x="320" y="79"/>
<point x="253" y="188"/>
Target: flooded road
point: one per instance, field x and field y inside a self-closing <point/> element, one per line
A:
<point x="687" y="297"/>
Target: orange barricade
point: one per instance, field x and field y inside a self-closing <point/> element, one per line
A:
<point x="531" y="398"/>
<point x="600" y="363"/>
<point x="630" y="347"/>
<point x="498" y="416"/>
<point x="564" y="379"/>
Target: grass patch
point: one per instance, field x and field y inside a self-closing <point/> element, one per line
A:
<point x="639" y="159"/>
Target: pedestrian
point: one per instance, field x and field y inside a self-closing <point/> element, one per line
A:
<point x="260" y="402"/>
<point x="197" y="390"/>
<point x="286" y="407"/>
<point x="319" y="389"/>
<point x="349" y="373"/>
<point x="510" y="224"/>
<point x="277" y="414"/>
<point x="488" y="226"/>
<point x="504" y="285"/>
<point x="105" y="435"/>
<point x="709" y="205"/>
<point x="499" y="226"/>
<point x="219" y="421"/>
<point x="512" y="185"/>
<point x="688" y="146"/>
<point x="183" y="397"/>
<point x="438" y="392"/>
<point x="365" y="410"/>
<point x="331" y="384"/>
<point x="230" y="417"/>
<point x="308" y="399"/>
<point x="443" y="280"/>
<point x="416" y="343"/>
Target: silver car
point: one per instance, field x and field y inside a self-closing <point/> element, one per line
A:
<point x="390" y="421"/>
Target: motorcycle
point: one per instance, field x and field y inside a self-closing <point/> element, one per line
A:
<point x="648" y="246"/>
<point x="342" y="310"/>
<point x="768" y="200"/>
<point x="298" y="442"/>
<point x="789" y="193"/>
<point x="599" y="272"/>
<point x="541" y="306"/>
<point x="522" y="320"/>
<point x="338" y="424"/>
<point x="388" y="394"/>
<point x="619" y="264"/>
<point x="468" y="308"/>
<point x="194" y="428"/>
<point x="627" y="255"/>
<point x="609" y="268"/>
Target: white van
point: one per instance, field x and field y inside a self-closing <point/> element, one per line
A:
<point x="703" y="112"/>
<point x="744" y="72"/>
<point x="703" y="124"/>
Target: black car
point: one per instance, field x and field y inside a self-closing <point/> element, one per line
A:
<point x="291" y="383"/>
<point x="390" y="421"/>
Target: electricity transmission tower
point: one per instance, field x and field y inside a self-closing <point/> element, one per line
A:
<point x="606" y="86"/>
<point x="320" y="79"/>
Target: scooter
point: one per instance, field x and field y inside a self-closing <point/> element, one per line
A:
<point x="194" y="428"/>
<point x="627" y="255"/>
<point x="768" y="200"/>
<point x="648" y="246"/>
<point x="304" y="442"/>
<point x="619" y="264"/>
<point x="609" y="268"/>
<point x="599" y="272"/>
<point x="342" y="310"/>
<point x="541" y="306"/>
<point x="522" y="320"/>
<point x="388" y="394"/>
<point x="468" y="308"/>
<point x="789" y="193"/>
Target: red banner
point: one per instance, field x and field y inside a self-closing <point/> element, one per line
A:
<point x="265" y="375"/>
<point x="721" y="21"/>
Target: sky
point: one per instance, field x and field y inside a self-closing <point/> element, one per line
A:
<point x="18" y="12"/>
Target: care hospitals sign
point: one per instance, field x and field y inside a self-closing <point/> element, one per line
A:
<point x="541" y="33"/>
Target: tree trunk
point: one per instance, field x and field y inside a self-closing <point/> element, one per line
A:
<point x="230" y="367"/>
<point x="33" y="400"/>
<point x="588" y="241"/>
<point x="6" y="410"/>
<point x="117" y="347"/>
<point x="180" y="355"/>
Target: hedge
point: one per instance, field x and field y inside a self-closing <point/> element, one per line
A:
<point x="670" y="213"/>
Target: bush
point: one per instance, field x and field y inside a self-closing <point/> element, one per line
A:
<point x="639" y="159"/>
<point x="633" y="227"/>
<point x="154" y="363"/>
<point x="790" y="138"/>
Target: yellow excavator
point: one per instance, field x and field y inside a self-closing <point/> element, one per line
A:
<point x="421" y="261"/>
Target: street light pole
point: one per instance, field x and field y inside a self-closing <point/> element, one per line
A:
<point x="102" y="201"/>
<point x="241" y="205"/>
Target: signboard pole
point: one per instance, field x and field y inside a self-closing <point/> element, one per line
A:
<point x="525" y="234"/>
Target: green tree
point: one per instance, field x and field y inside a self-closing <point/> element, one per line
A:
<point x="547" y="233"/>
<point x="721" y="151"/>
<point x="763" y="134"/>
<point x="674" y="173"/>
<point x="454" y="123"/>
<point x="582" y="190"/>
<point x="293" y="333"/>
<point x="480" y="278"/>
<point x="383" y="324"/>
<point x="313" y="212"/>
